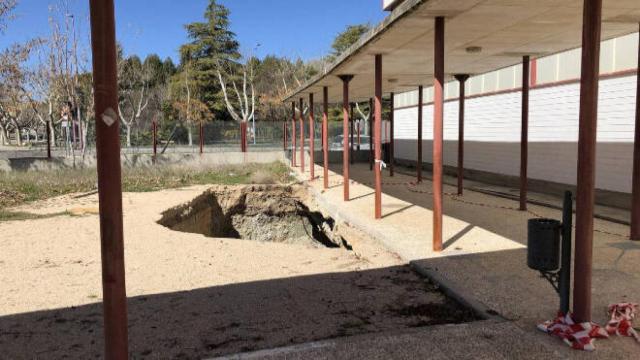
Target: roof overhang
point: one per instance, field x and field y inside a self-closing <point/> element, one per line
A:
<point x="505" y="30"/>
<point x="389" y="5"/>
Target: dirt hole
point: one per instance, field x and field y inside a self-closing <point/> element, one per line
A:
<point x="258" y="213"/>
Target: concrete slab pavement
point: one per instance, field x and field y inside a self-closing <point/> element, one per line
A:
<point x="480" y="340"/>
<point x="405" y="227"/>
<point x="485" y="252"/>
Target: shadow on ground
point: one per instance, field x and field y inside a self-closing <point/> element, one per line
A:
<point x="240" y="317"/>
<point x="502" y="280"/>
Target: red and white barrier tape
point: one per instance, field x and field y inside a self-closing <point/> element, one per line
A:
<point x="622" y="316"/>
<point x="582" y="336"/>
<point x="578" y="336"/>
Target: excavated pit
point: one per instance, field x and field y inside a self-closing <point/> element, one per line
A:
<point x="259" y="213"/>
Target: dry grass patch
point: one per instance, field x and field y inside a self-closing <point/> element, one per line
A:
<point x="22" y="187"/>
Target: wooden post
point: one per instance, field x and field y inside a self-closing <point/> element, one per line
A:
<point x="438" y="112"/>
<point x="105" y="87"/>
<point x="585" y="195"/>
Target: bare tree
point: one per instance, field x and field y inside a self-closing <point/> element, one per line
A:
<point x="187" y="108"/>
<point x="57" y="79"/>
<point x="241" y="109"/>
<point x="365" y="118"/>
<point x="183" y="95"/>
<point x="134" y="93"/>
<point x="13" y="96"/>
<point x="6" y="9"/>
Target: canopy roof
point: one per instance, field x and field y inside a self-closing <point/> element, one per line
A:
<point x="502" y="30"/>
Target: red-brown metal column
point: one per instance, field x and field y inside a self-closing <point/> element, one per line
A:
<point x="371" y="121"/>
<point x="201" y="138"/>
<point x="48" y="132"/>
<point x="524" y="140"/>
<point x="294" y="138"/>
<point x="73" y="131"/>
<point x="345" y="134"/>
<point x="438" y="112"/>
<point x="105" y="87"/>
<point x="635" y="204"/>
<point x="462" y="78"/>
<point x="585" y="195"/>
<point x="420" y="112"/>
<point x="325" y="137"/>
<point x="284" y="135"/>
<point x="391" y="136"/>
<point x="534" y="73"/>
<point x="351" y="142"/>
<point x="155" y="140"/>
<point x="378" y="136"/>
<point x="358" y="133"/>
<point x="243" y="136"/>
<point x="312" y="135"/>
<point x="302" y="135"/>
<point x="81" y="131"/>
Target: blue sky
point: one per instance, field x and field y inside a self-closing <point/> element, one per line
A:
<point x="290" y="28"/>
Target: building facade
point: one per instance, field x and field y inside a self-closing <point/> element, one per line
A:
<point x="493" y="113"/>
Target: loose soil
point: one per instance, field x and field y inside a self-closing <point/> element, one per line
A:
<point x="259" y="213"/>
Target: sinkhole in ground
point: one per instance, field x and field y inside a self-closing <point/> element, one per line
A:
<point x="259" y="213"/>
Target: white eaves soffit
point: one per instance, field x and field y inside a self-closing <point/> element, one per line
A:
<point x="505" y="30"/>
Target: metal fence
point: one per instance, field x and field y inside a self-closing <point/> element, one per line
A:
<point x="335" y="136"/>
<point x="219" y="136"/>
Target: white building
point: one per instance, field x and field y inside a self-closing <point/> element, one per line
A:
<point x="493" y="122"/>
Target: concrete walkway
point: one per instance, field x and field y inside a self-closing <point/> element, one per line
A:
<point x="402" y="216"/>
<point x="484" y="259"/>
<point x="479" y="340"/>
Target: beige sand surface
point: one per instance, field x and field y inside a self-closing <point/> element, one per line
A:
<point x="191" y="295"/>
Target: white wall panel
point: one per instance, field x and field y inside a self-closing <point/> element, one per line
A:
<point x="493" y="133"/>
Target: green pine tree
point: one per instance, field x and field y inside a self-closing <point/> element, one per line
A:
<point x="211" y="42"/>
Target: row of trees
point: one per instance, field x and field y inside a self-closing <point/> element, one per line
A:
<point x="51" y="90"/>
<point x="46" y="83"/>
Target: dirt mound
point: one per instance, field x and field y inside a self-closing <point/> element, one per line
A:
<point x="259" y="213"/>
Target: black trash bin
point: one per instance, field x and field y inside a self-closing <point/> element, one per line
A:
<point x="543" y="253"/>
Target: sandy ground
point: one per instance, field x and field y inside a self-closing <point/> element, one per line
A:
<point x="192" y="296"/>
